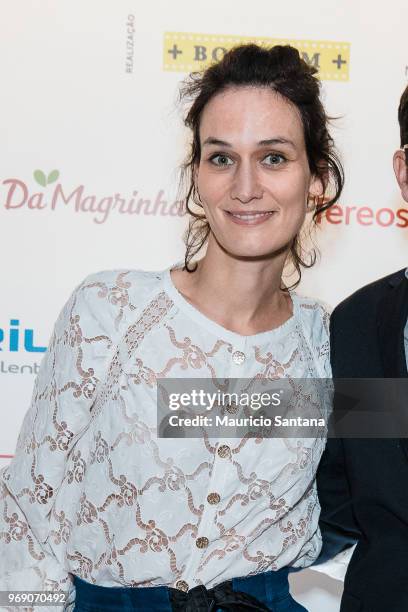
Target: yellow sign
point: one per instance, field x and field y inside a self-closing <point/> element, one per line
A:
<point x="188" y="52"/>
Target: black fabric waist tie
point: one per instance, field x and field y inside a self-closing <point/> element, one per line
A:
<point x="222" y="596"/>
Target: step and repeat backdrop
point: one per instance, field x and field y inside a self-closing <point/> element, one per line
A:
<point x="92" y="139"/>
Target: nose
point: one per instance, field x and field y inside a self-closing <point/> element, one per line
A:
<point x="246" y="186"/>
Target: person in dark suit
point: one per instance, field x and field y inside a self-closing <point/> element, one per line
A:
<point x="363" y="483"/>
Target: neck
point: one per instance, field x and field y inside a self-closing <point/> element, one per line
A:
<point x="243" y="295"/>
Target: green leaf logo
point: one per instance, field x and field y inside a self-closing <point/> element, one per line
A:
<point x="43" y="180"/>
<point x="52" y="177"/>
<point x="40" y="178"/>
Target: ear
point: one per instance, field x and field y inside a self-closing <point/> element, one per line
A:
<point x="317" y="186"/>
<point x="401" y="172"/>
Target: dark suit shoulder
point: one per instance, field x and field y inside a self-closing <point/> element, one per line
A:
<point x="363" y="302"/>
<point x="354" y="330"/>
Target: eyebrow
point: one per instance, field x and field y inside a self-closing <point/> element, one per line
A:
<point x="267" y="142"/>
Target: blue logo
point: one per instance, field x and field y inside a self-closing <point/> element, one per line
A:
<point x="15" y="339"/>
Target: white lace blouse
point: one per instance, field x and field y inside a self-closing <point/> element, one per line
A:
<point x="93" y="491"/>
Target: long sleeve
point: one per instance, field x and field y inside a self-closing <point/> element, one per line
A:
<point x="60" y="411"/>
<point x="337" y="524"/>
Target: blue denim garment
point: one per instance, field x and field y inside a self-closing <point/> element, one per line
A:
<point x="270" y="588"/>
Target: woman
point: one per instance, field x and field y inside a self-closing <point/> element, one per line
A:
<point x="93" y="495"/>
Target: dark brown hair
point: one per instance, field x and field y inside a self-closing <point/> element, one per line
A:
<point x="403" y="117"/>
<point x="281" y="69"/>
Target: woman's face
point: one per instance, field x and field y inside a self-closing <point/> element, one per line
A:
<point x="253" y="176"/>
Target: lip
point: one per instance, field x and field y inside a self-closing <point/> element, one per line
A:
<point x="266" y="215"/>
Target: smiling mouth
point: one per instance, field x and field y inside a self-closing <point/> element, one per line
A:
<point x="250" y="215"/>
<point x="250" y="218"/>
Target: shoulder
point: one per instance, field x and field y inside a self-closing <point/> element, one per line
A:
<point x="362" y="304"/>
<point x="108" y="300"/>
<point x="315" y="318"/>
<point x="315" y="313"/>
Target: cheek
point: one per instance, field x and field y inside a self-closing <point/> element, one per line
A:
<point x="291" y="195"/>
<point x="212" y="185"/>
<point x="291" y="191"/>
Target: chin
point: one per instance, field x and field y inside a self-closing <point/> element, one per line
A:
<point x="257" y="252"/>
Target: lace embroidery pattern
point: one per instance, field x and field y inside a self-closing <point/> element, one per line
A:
<point x="94" y="490"/>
